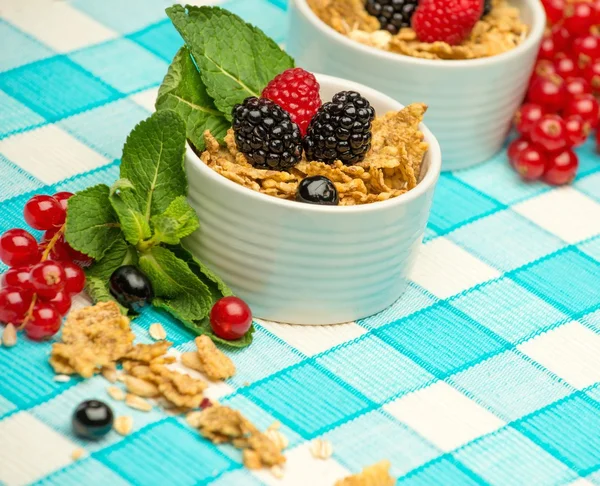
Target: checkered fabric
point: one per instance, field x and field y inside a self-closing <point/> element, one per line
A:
<point x="485" y="372"/>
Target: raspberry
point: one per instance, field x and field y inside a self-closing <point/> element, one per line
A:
<point x="266" y="135"/>
<point x="393" y="15"/>
<point x="449" y="21"/>
<point x="297" y="92"/>
<point x="341" y="130"/>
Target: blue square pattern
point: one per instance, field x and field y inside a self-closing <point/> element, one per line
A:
<point x="161" y="39"/>
<point x="510" y="386"/>
<point x="19" y="48"/>
<point x="269" y="18"/>
<point x="508" y="310"/>
<point x="106" y="174"/>
<point x="507" y="457"/>
<point x="16" y="117"/>
<point x="122" y="64"/>
<point x="435" y="338"/>
<point x="592" y="321"/>
<point x="87" y="471"/>
<point x="443" y="471"/>
<point x="455" y="204"/>
<point x="568" y="280"/>
<point x="105" y="128"/>
<point x="239" y="476"/>
<point x="56" y="88"/>
<point x="375" y="436"/>
<point x="6" y="406"/>
<point x="568" y="430"/>
<point x="396" y="373"/>
<point x="140" y="458"/>
<point x="307" y="399"/>
<point x="506" y="240"/>
<point x="590" y="185"/>
<point x="588" y="159"/>
<point x="14" y="180"/>
<point x="591" y="247"/>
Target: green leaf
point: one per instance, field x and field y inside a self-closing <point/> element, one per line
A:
<point x="92" y="225"/>
<point x="98" y="291"/>
<point x="133" y="224"/>
<point x="183" y="91"/>
<point x="153" y="162"/>
<point x="177" y="222"/>
<point x="118" y="255"/>
<point x="174" y="284"/>
<point x="235" y="59"/>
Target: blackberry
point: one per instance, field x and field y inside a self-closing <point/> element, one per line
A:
<point x="393" y="15"/>
<point x="266" y="135"/>
<point x="341" y="130"/>
<point x="487" y="7"/>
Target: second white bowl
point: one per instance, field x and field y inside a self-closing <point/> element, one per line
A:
<point x="471" y="103"/>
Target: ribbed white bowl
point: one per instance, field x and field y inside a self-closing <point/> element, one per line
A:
<point x="471" y="102"/>
<point x="307" y="264"/>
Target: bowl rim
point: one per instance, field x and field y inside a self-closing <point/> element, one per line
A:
<point x="536" y="33"/>
<point x="422" y="187"/>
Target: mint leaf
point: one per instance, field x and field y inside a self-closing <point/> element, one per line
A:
<point x="133" y="224"/>
<point x="178" y="221"/>
<point x="183" y="91"/>
<point x="153" y="162"/>
<point x="118" y="255"/>
<point x="98" y="291"/>
<point x="92" y="225"/>
<point x="235" y="59"/>
<point x="176" y="288"/>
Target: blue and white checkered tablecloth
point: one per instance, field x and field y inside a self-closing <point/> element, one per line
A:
<point x="486" y="371"/>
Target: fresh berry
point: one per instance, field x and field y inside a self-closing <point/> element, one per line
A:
<point x="449" y="21"/>
<point x="317" y="190"/>
<point x="577" y="130"/>
<point x="527" y="116"/>
<point x="341" y="130"/>
<point x="561" y="37"/>
<point x="48" y="279"/>
<point x="487" y="7"/>
<point x="548" y="92"/>
<point x="205" y="403"/>
<point x="565" y="67"/>
<point x="530" y="162"/>
<point x="297" y="92"/>
<point x="43" y="212"/>
<point x="579" y="17"/>
<point x="14" y="304"/>
<point x="561" y="168"/>
<point x="550" y="133"/>
<point x="516" y="147"/>
<point x="74" y="278"/>
<point x="44" y="321"/>
<point x="577" y="86"/>
<point x="18" y="277"/>
<point x="591" y="74"/>
<point x="18" y="248"/>
<point x="554" y="9"/>
<point x="130" y="287"/>
<point x="230" y="318"/>
<point x="586" y="49"/>
<point x="393" y="15"/>
<point x="62" y="198"/>
<point x="548" y="49"/>
<point x="266" y="135"/>
<point x="92" y="419"/>
<point x="61" y="302"/>
<point x="80" y="258"/>
<point x="586" y="106"/>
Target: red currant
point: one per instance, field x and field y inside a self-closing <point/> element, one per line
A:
<point x="18" y="277"/>
<point x="577" y="86"/>
<point x="561" y="37"/>
<point x="45" y="321"/>
<point x="43" y="212"/>
<point x="578" y="130"/>
<point x="543" y="68"/>
<point x="515" y="148"/>
<point x="48" y="279"/>
<point x="62" y="198"/>
<point x="586" y="49"/>
<point x="566" y="67"/>
<point x="530" y="163"/>
<point x="61" y="302"/>
<point x="75" y="278"/>
<point x="561" y="168"/>
<point x="586" y="106"/>
<point x="14" y="304"/>
<point x="550" y="133"/>
<point x="18" y="248"/>
<point x="547" y="49"/>
<point x="548" y="92"/>
<point x="554" y="9"/>
<point x="230" y="318"/>
<point x="81" y="258"/>
<point x="591" y="73"/>
<point x="527" y="116"/>
<point x="579" y="17"/>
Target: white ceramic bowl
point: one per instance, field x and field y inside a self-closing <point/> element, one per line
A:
<point x="471" y="102"/>
<point x="307" y="264"/>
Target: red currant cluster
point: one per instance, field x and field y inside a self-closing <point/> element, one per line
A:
<point x="561" y="109"/>
<point x="36" y="290"/>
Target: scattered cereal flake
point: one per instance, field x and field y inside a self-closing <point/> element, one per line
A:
<point x="133" y="401"/>
<point x="9" y="336"/>
<point x="321" y="449"/>
<point x="194" y="418"/>
<point x="375" y="475"/>
<point x="261" y="451"/>
<point x="180" y="389"/>
<point x="191" y="360"/>
<point x="123" y="425"/>
<point x="141" y="387"/>
<point x="145" y="353"/>
<point x="277" y="437"/>
<point x="78" y="453"/>
<point x="62" y="378"/>
<point x="222" y="424"/>
<point x="157" y="332"/>
<point x="215" y="364"/>
<point x="116" y="393"/>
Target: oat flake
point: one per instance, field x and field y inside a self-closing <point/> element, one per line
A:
<point x="62" y="378"/>
<point x="321" y="449"/>
<point x="157" y="332"/>
<point x="9" y="336"/>
<point x="123" y="425"/>
<point x="116" y="393"/>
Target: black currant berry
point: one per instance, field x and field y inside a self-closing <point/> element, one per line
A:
<point x="130" y="287"/>
<point x="317" y="190"/>
<point x="92" y="419"/>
